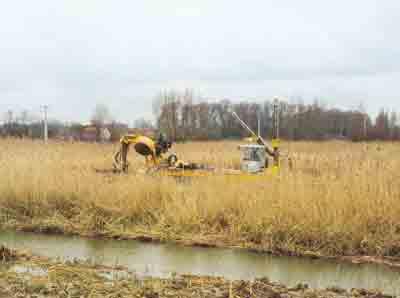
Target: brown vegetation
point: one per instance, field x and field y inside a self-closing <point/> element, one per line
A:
<point x="338" y="199"/>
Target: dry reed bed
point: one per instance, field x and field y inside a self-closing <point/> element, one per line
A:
<point x="337" y="199"/>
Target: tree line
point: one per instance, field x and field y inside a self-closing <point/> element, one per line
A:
<point x="183" y="117"/>
<point x="25" y="125"/>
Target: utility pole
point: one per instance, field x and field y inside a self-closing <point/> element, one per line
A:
<point x="9" y="122"/>
<point x="275" y="133"/>
<point x="365" y="126"/>
<point x="45" y="125"/>
<point x="10" y="116"/>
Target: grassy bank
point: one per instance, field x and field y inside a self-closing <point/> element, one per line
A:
<point x="337" y="199"/>
<point x="25" y="275"/>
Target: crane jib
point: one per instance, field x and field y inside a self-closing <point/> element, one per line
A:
<point x="260" y="140"/>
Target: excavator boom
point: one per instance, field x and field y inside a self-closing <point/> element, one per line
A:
<point x="143" y="145"/>
<point x="259" y="139"/>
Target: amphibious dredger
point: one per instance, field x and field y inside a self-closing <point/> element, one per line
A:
<point x="254" y="157"/>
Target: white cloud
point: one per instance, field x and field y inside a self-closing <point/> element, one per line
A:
<point x="73" y="54"/>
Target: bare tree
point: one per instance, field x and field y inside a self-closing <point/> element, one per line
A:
<point x="142" y="123"/>
<point x="23" y="117"/>
<point x="100" y="117"/>
<point x="167" y="106"/>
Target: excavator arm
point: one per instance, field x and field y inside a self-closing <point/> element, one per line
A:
<point x="259" y="139"/>
<point x="145" y="146"/>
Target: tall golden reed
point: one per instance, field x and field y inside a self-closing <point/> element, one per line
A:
<point x="338" y="198"/>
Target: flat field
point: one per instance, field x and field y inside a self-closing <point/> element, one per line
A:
<point x="336" y="198"/>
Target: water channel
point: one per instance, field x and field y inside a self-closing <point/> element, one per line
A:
<point x="162" y="260"/>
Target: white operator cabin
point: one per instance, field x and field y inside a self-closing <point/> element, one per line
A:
<point x="253" y="158"/>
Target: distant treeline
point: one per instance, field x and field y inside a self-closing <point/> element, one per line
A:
<point x="181" y="117"/>
<point x="61" y="131"/>
<point x="17" y="128"/>
<point x="25" y="125"/>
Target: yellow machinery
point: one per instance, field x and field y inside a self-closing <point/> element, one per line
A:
<point x="152" y="150"/>
<point x="253" y="161"/>
<point x="252" y="153"/>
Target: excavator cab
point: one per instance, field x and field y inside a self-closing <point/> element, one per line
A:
<point x="253" y="158"/>
<point x="162" y="145"/>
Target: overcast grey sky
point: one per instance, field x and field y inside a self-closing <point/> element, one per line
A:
<point x="73" y="54"/>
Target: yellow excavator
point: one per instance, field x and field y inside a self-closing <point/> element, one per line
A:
<point x="254" y="156"/>
<point x="154" y="152"/>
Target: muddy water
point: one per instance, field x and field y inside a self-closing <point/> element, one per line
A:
<point x="162" y="260"/>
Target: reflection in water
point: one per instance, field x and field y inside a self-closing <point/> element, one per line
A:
<point x="164" y="259"/>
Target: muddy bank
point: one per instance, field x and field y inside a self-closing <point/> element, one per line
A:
<point x="30" y="276"/>
<point x="212" y="240"/>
